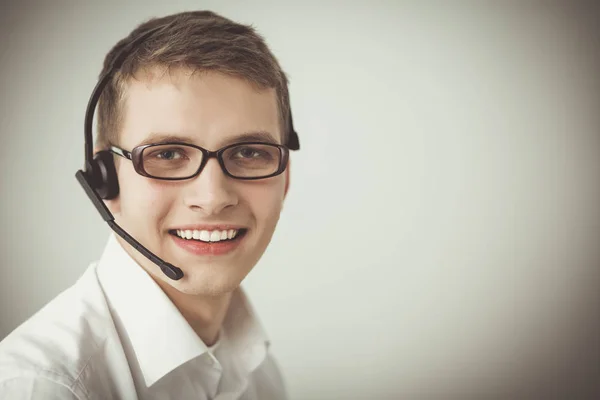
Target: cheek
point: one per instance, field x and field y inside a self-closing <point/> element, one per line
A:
<point x="144" y="200"/>
<point x="266" y="200"/>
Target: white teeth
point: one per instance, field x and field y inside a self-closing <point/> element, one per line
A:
<point x="207" y="236"/>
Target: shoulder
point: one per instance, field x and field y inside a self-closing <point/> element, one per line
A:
<point x="50" y="350"/>
<point x="268" y="379"/>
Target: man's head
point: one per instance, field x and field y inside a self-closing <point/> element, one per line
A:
<point x="208" y="82"/>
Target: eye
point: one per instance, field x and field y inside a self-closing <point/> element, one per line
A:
<point x="251" y="153"/>
<point x="248" y="152"/>
<point x="168" y="155"/>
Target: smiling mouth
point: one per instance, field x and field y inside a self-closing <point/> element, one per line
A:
<point x="204" y="236"/>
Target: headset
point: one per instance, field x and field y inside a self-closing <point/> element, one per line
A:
<point x="99" y="176"/>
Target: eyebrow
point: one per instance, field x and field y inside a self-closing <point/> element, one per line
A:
<point x="162" y="138"/>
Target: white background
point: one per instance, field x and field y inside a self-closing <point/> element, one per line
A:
<point x="441" y="236"/>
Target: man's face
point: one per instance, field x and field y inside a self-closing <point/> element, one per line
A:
<point x="209" y="110"/>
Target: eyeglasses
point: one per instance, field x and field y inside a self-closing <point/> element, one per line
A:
<point x="178" y="161"/>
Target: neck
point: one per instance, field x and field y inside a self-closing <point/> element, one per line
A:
<point x="205" y="314"/>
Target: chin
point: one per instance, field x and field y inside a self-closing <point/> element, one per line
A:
<point x="207" y="280"/>
<point x="204" y="289"/>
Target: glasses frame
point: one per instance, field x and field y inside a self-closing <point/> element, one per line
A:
<point x="135" y="155"/>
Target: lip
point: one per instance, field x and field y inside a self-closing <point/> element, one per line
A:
<point x="199" y="248"/>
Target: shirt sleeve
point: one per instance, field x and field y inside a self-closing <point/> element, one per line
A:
<point x="34" y="388"/>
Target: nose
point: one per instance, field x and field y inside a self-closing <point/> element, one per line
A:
<point x="211" y="191"/>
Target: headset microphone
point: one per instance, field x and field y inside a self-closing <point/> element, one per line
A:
<point x="168" y="269"/>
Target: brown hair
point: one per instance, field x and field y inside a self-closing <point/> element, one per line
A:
<point x="196" y="40"/>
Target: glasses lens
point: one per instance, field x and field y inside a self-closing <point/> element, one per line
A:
<point x="252" y="160"/>
<point x="171" y="160"/>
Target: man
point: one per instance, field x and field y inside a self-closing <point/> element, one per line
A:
<point x="126" y="330"/>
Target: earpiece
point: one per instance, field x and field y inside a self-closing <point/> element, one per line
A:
<point x="104" y="175"/>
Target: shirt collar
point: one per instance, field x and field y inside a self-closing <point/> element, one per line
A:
<point x="245" y="334"/>
<point x="161" y="338"/>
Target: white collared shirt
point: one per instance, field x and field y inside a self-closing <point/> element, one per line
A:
<point x="115" y="335"/>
